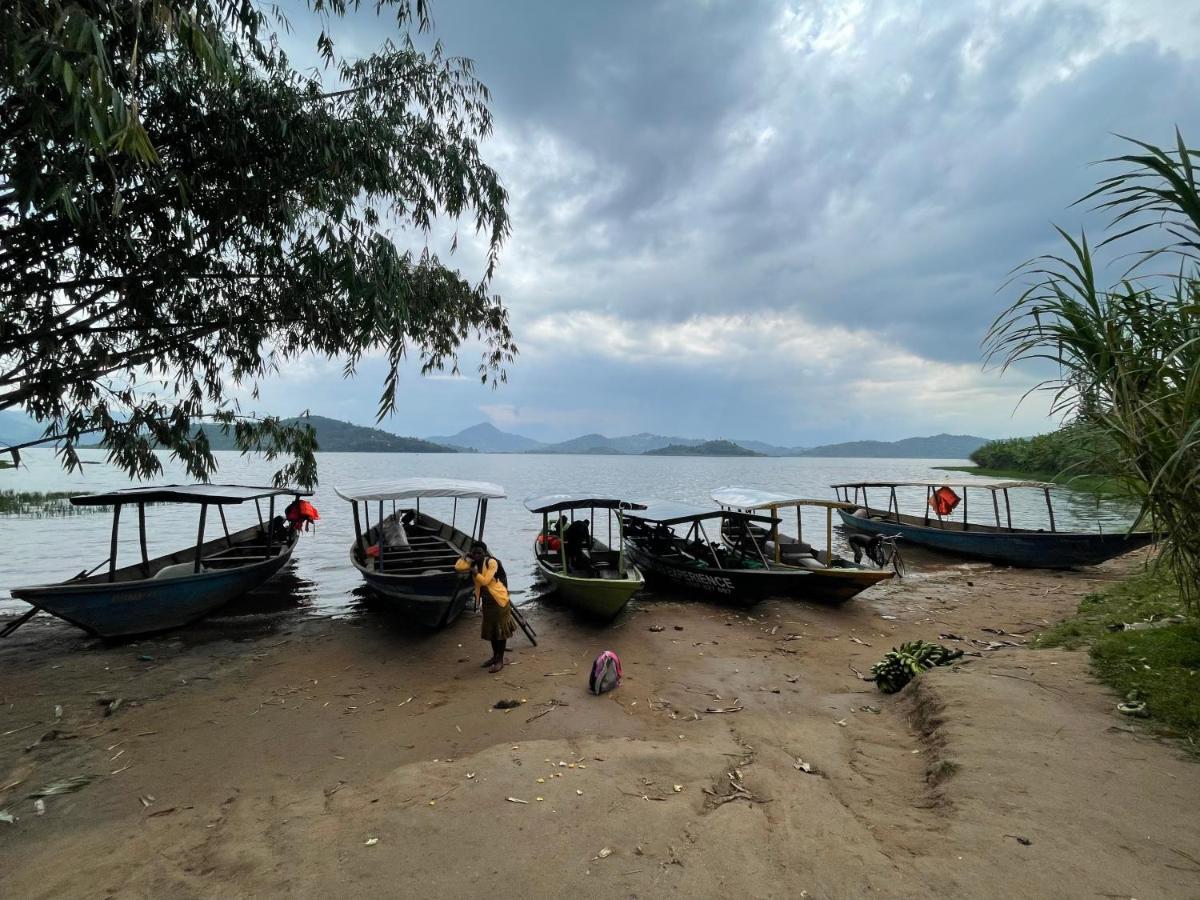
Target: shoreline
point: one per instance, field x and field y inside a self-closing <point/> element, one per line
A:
<point x="310" y="756"/>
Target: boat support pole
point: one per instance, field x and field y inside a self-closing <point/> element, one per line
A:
<point x="271" y="526"/>
<point x="700" y="530"/>
<point x="258" y="509"/>
<point x="966" y="525"/>
<point x="200" y="536"/>
<point x="224" y="525"/>
<point x="828" y="535"/>
<point x="112" y="547"/>
<point x="17" y="623"/>
<point x="620" y="541"/>
<point x="1007" y="508"/>
<point x="562" y="546"/>
<point x="996" y="508"/>
<point x="1049" y="508"/>
<point x="142" y="539"/>
<point x="482" y="517"/>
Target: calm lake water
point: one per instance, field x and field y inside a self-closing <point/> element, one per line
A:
<point x="40" y="550"/>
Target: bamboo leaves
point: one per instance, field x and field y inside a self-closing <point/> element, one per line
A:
<point x="1128" y="357"/>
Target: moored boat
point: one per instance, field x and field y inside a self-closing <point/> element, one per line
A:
<point x="586" y="572"/>
<point x="178" y="588"/>
<point x="834" y="579"/>
<point x="938" y="529"/>
<point x="690" y="562"/>
<point x="407" y="556"/>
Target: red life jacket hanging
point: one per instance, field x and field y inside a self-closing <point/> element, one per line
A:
<point x="301" y="514"/>
<point x="943" y="501"/>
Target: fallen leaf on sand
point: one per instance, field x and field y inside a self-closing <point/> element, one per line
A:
<point x="371" y="842"/>
<point x="678" y="788"/>
<point x="603" y="854"/>
<point x="841" y="722"/>
<point x="515" y="800"/>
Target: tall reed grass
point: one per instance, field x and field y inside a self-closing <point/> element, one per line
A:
<point x="1128" y="355"/>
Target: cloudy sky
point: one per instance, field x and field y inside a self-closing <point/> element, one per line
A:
<point x="782" y="220"/>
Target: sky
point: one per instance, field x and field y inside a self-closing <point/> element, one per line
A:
<point x="766" y="219"/>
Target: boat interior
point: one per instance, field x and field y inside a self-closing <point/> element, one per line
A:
<point x="692" y="550"/>
<point x="945" y="524"/>
<point x="792" y="551"/>
<point x="414" y="544"/>
<point x="239" y="548"/>
<point x="596" y="560"/>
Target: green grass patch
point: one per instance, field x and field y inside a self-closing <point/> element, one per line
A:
<point x="1162" y="665"/>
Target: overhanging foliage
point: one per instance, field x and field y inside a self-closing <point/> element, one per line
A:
<point x="181" y="210"/>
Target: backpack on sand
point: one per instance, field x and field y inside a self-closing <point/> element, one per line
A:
<point x="606" y="673"/>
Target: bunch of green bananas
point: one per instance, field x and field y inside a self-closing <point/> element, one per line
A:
<point x="899" y="666"/>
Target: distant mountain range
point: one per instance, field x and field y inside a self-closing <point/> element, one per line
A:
<point x="336" y="436"/>
<point x="487" y="438"/>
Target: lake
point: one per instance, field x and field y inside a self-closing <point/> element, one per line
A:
<point x="40" y="550"/>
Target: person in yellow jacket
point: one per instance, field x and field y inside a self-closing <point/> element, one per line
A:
<point x="490" y="590"/>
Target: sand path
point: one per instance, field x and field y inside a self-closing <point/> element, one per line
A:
<point x="344" y="758"/>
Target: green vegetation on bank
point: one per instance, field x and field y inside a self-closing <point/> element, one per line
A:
<point x="1160" y="666"/>
<point x="1075" y="449"/>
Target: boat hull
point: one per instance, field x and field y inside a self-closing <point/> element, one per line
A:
<point x="433" y="601"/>
<point x="600" y="598"/>
<point x="736" y="587"/>
<point x="1015" y="547"/>
<point x="127" y="608"/>
<point x="430" y="593"/>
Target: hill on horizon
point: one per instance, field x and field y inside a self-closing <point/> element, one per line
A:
<point x="706" y="448"/>
<point x="335" y="436"/>
<point x="936" y="446"/>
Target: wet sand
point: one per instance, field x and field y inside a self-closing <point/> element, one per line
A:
<point x="321" y="757"/>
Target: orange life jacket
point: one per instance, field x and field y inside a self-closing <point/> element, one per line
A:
<point x="943" y="501"/>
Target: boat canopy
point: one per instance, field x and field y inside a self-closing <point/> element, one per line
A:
<point x="187" y="493"/>
<point x="413" y="488"/>
<point x="549" y="503"/>
<point x="751" y="499"/>
<point x="987" y="485"/>
<point x="665" y="512"/>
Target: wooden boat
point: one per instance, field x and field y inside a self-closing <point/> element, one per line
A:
<point x="692" y="563"/>
<point x="834" y="580"/>
<point x="412" y="567"/>
<point x="1027" y="547"/>
<point x="600" y="582"/>
<point x="179" y="588"/>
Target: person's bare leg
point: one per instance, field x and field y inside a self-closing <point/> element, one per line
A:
<point x="498" y="648"/>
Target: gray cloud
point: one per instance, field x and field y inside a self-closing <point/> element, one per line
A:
<point x="866" y="168"/>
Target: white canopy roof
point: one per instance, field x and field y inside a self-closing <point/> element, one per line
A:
<point x="412" y="488"/>
<point x="751" y="499"/>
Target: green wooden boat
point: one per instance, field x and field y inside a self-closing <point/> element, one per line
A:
<point x="586" y="572"/>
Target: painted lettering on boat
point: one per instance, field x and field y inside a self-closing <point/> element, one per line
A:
<point x="717" y="583"/>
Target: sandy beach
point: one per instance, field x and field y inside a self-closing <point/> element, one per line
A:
<point x="742" y="756"/>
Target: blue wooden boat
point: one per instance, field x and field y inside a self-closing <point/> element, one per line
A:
<point x="999" y="543"/>
<point x="407" y="557"/>
<point x="176" y="589"/>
